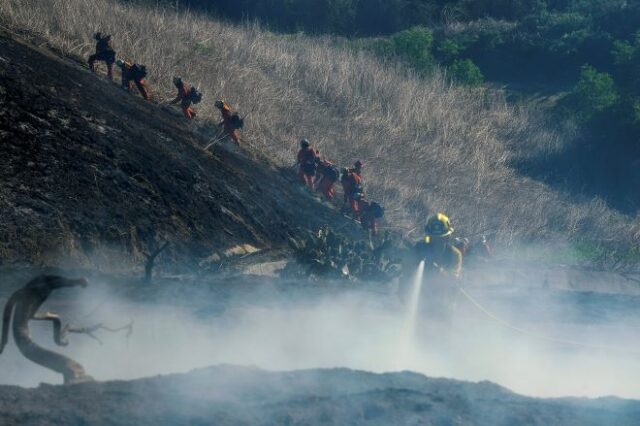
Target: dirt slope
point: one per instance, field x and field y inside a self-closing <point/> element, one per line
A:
<point x="238" y="396"/>
<point x="92" y="176"/>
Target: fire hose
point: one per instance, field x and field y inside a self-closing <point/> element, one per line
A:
<point x="522" y="331"/>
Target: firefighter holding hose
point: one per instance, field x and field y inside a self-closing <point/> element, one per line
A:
<point x="442" y="268"/>
<point x="437" y="248"/>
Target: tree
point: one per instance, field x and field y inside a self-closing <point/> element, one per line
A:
<point x="465" y="72"/>
<point x="151" y="259"/>
<point x="448" y="50"/>
<point x="594" y="93"/>
<point x="414" y="45"/>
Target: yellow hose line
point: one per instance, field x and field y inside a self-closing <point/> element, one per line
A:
<point x="504" y="323"/>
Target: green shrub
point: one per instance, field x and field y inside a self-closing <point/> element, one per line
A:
<point x="563" y="33"/>
<point x="622" y="53"/>
<point x="626" y="57"/>
<point x="448" y="50"/>
<point x="465" y="72"/>
<point x="636" y="112"/>
<point x="594" y="93"/>
<point x="414" y="45"/>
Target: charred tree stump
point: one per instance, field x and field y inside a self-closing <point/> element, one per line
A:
<point x="24" y="305"/>
<point x="151" y="260"/>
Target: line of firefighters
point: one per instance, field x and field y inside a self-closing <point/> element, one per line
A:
<point x="133" y="74"/>
<point x="321" y="175"/>
<point x="445" y="253"/>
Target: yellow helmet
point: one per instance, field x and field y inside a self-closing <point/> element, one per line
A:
<point x="438" y="226"/>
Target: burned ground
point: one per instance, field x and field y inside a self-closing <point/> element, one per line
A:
<point x="240" y="396"/>
<point x="93" y="176"/>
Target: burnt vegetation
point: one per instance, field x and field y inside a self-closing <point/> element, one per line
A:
<point x="95" y="178"/>
<point x="331" y="396"/>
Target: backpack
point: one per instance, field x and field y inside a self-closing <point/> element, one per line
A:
<point x="236" y="122"/>
<point x="194" y="95"/>
<point x="308" y="161"/>
<point x="139" y="71"/>
<point x="309" y="168"/>
<point x="331" y="172"/>
<point x="377" y="210"/>
<point x="104" y="43"/>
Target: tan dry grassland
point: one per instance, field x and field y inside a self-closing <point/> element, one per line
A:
<point x="428" y="146"/>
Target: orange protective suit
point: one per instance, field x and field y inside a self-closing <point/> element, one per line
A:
<point x="131" y="76"/>
<point x="185" y="101"/>
<point x="231" y="131"/>
<point x="327" y="188"/>
<point x="326" y="179"/>
<point x="351" y="183"/>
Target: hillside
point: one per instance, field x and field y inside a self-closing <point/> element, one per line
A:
<point x="428" y="146"/>
<point x="93" y="177"/>
<point x="579" y="59"/>
<point x="242" y="396"/>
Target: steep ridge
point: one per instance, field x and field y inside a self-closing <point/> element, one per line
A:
<point x="93" y="176"/>
<point x="228" y="395"/>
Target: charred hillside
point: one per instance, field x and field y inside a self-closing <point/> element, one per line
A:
<point x="93" y="176"/>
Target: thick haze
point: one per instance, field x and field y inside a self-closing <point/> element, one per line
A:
<point x="360" y="330"/>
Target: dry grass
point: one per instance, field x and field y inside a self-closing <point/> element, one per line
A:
<point x="428" y="146"/>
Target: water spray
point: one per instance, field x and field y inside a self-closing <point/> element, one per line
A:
<point x="409" y="329"/>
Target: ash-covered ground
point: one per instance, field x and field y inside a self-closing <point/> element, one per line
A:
<point x="228" y="395"/>
<point x="94" y="177"/>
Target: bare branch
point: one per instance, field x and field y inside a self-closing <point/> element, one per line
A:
<point x="90" y="331"/>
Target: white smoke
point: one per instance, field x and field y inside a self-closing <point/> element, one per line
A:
<point x="360" y="329"/>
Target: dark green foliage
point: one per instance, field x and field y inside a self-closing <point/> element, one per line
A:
<point x="626" y="55"/>
<point x="520" y="41"/>
<point x="384" y="17"/>
<point x="594" y="93"/>
<point x="448" y="50"/>
<point x="563" y="33"/>
<point x="596" y="88"/>
<point x="465" y="72"/>
<point x="412" y="45"/>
